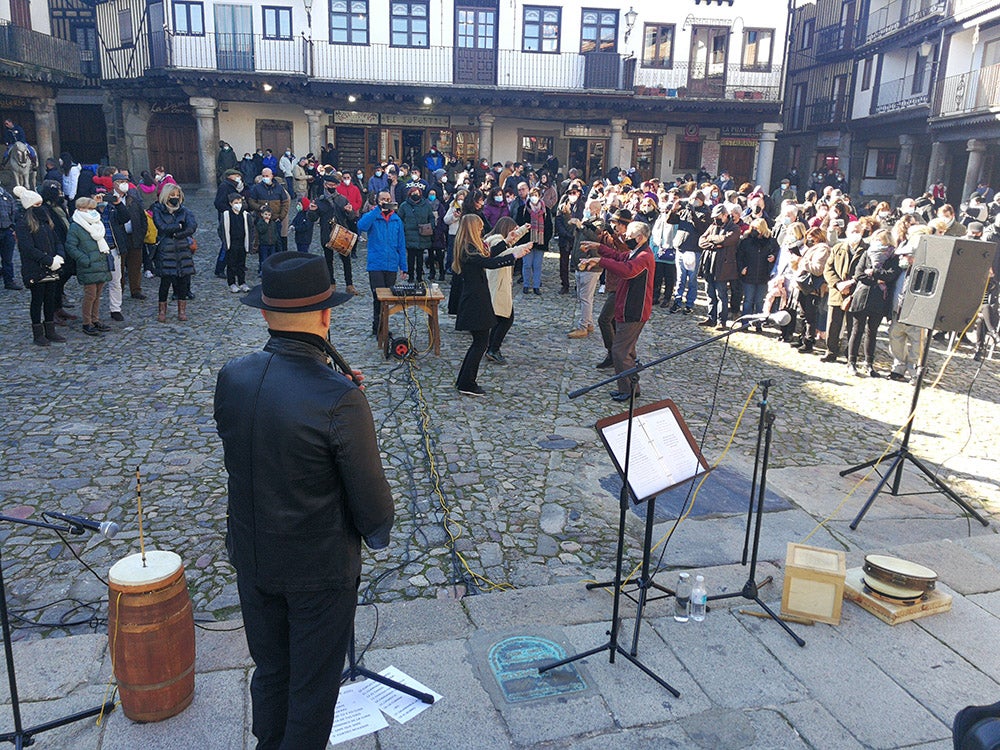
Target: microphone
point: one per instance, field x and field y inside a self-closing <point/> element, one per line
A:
<point x="107" y="529"/>
<point x="780" y="318"/>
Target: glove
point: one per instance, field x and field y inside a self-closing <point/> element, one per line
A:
<point x="57" y="263"/>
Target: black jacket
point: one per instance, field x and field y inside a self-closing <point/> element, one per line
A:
<point x="173" y="246"/>
<point x="752" y="254"/>
<point x="331" y="209"/>
<point x="37" y="249"/>
<point x="475" y="307"/>
<point x="869" y="295"/>
<point x="305" y="477"/>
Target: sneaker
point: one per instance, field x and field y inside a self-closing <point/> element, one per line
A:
<point x="148" y="274"/>
<point x="852" y="369"/>
<point x="675" y="307"/>
<point x="871" y="371"/>
<point x="234" y="289"/>
<point x="806" y="348"/>
<point x="118" y="316"/>
<point x="496" y="357"/>
<point x="244" y="288"/>
<point x="688" y="310"/>
<point x="472" y="390"/>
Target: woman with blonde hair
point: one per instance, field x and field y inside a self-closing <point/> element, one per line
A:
<point x="85" y="244"/>
<point x="812" y="287"/>
<point x="475" y="307"/>
<point x="755" y="258"/>
<point x="175" y="225"/>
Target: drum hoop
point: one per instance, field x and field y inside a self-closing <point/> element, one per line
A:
<point x="897" y="572"/>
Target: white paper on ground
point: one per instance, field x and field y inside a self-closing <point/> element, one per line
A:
<point x="355" y="715"/>
<point x="400" y="706"/>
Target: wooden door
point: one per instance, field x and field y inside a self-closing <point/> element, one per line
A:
<point x="475" y="46"/>
<point x="350" y="148"/>
<point x="173" y="143"/>
<point x="709" y="55"/>
<point x="275" y="135"/>
<point x="738" y="161"/>
<point x="83" y="133"/>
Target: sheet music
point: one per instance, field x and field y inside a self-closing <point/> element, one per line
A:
<point x="661" y="455"/>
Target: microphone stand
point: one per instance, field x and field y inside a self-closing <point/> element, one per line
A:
<point x="22" y="737"/>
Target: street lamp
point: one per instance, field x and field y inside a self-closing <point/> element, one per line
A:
<point x="630" y="18"/>
<point x="309" y="9"/>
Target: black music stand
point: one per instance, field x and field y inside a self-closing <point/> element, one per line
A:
<point x="22" y="737"/>
<point x="354" y="671"/>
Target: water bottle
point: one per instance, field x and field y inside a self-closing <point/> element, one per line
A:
<point x="699" y="599"/>
<point x="682" y="598"/>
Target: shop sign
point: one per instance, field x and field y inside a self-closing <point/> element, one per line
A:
<point x="586" y="131"/>
<point x="828" y="139"/>
<point x="646" y="128"/>
<point x="416" y="121"/>
<point x="739" y="131"/>
<point x="347" y="117"/>
<point x="751" y="142"/>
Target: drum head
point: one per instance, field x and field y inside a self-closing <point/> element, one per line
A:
<point x="160" y="565"/>
<point x="892" y="591"/>
<point x="897" y="578"/>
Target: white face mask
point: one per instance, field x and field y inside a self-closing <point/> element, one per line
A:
<point x="883" y="214"/>
<point x="122" y="187"/>
<point x="498" y="198"/>
<point x="347" y="180"/>
<point x="533" y="199"/>
<point x="266" y="180"/>
<point x="853" y="238"/>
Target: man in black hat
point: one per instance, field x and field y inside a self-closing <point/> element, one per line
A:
<point x="306" y="485"/>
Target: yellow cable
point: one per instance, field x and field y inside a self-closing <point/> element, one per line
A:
<point x="114" y="641"/>
<point x="958" y="341"/>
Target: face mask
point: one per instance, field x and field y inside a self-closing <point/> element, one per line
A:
<point x="415" y="199"/>
<point x="174" y="201"/>
<point x="444" y="179"/>
<point x="853" y="238"/>
<point x="403" y="174"/>
<point x="664" y="206"/>
<point x="239" y="184"/>
<point x="266" y="180"/>
<point x="361" y="176"/>
<point x="883" y="215"/>
<point x="288" y="153"/>
<point x="533" y="199"/>
<point x="784" y="187"/>
<point x="904" y="261"/>
<point x="631" y="243"/>
<point x="786" y="220"/>
<point x="498" y="198"/>
<point x="237" y="207"/>
<point x="122" y="187"/>
<point x="573" y="198"/>
<point x="92" y="214"/>
<point x="432" y="198"/>
<point x="347" y="180"/>
<point x="378" y="172"/>
<point x="907" y="210"/>
<point x="247" y="157"/>
<point x="720" y="221"/>
<point x="699" y="204"/>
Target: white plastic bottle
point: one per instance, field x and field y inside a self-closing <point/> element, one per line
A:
<point x="699" y="599"/>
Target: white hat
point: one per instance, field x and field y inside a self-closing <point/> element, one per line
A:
<point x="28" y="198"/>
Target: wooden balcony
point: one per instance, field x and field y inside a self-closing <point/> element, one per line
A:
<point x="30" y="55"/>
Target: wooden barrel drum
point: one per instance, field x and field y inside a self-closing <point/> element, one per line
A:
<point x="341" y="239"/>
<point x="151" y="635"/>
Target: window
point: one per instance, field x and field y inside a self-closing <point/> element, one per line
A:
<point x="688" y="155"/>
<point x="349" y="21"/>
<point x="794" y="154"/>
<point x="277" y="23"/>
<point x="797" y="116"/>
<point x="757" y="44"/>
<point x="20" y="13"/>
<point x="409" y="25"/>
<point x="881" y="163"/>
<point x="866" y="74"/>
<point x="541" y="29"/>
<point x="189" y="18"/>
<point x="808" y="27"/>
<point x="600" y="30"/>
<point x="920" y="69"/>
<point x="657" y="46"/>
<point x="125" y="35"/>
<point x="535" y="148"/>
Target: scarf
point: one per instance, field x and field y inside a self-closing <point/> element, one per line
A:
<point x="536" y="214"/>
<point x="95" y="228"/>
<point x="878" y="253"/>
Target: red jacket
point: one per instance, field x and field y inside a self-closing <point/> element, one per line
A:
<point x="635" y="271"/>
<point x="352" y="194"/>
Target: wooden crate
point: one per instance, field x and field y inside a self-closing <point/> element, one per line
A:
<point x="854" y="591"/>
<point x="814" y="583"/>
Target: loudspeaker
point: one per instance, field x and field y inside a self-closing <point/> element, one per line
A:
<point x="945" y="287"/>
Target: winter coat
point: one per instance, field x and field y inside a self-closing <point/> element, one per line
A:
<point x="225" y="160"/>
<point x="718" y="245"/>
<point x="304" y="223"/>
<point x="413" y="215"/>
<point x="331" y="209"/>
<point x="352" y="194"/>
<point x="839" y="267"/>
<point x="226" y="189"/>
<point x="224" y="223"/>
<point x="494" y="211"/>
<point x="475" y="307"/>
<point x="377" y="185"/>
<point x="300" y="181"/>
<point x="37" y="249"/>
<point x="564" y="229"/>
<point x="635" y="271"/>
<point x="91" y="263"/>
<point x="691" y="221"/>
<point x="873" y="292"/>
<point x="440" y="238"/>
<point x="274" y="196"/>
<point x="386" y="241"/>
<point x="752" y="256"/>
<point x="173" y="250"/>
<point x="523" y="216"/>
<point x="266" y="232"/>
<point x="661" y="240"/>
<point x="433" y="162"/>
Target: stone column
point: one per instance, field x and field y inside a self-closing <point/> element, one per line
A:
<point x="317" y="137"/>
<point x="765" y="153"/>
<point x="977" y="159"/>
<point x="208" y="140"/>
<point x="615" y="146"/>
<point x="935" y="170"/>
<point x="45" y="131"/>
<point x="486" y="120"/>
<point x="904" y="168"/>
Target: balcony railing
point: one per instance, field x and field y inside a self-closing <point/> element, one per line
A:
<point x="969" y="93"/>
<point x="897" y="16"/>
<point x="903" y="93"/>
<point x="381" y="63"/>
<point x="40" y="52"/>
<point x="694" y="81"/>
<point x="832" y="41"/>
<point x="825" y="113"/>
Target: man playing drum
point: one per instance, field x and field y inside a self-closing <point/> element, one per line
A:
<point x="306" y="485"/>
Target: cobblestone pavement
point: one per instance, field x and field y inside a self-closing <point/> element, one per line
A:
<point x="518" y="470"/>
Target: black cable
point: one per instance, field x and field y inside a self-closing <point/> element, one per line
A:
<point x="79" y="559"/>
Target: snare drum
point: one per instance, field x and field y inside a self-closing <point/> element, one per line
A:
<point x="897" y="578"/>
<point x="151" y="635"/>
<point x="341" y="239"/>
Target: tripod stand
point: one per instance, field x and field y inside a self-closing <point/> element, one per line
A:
<point x="354" y="671"/>
<point x="21" y="736"/>
<point x="902" y="454"/>
<point x="751" y="588"/>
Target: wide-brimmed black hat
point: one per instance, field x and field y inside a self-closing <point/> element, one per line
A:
<point x="294" y="282"/>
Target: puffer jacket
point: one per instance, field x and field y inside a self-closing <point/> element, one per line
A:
<point x="718" y="243"/>
<point x="413" y="215"/>
<point x="386" y="241"/>
<point x="174" y="230"/>
<point x="91" y="263"/>
<point x="752" y="254"/>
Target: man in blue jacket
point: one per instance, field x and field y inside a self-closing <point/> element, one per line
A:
<point x="386" y="248"/>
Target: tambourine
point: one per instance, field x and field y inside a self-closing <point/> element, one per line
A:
<point x="896" y="578"/>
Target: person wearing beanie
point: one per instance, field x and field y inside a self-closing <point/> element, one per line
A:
<point x="41" y="259"/>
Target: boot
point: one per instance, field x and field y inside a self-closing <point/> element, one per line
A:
<point x="39" y="333"/>
<point x="50" y="332"/>
<point x="182" y="308"/>
<point x="161" y="313"/>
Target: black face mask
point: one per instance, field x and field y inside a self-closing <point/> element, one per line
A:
<point x="631" y="243"/>
<point x="415" y="199"/>
<point x="174" y="202"/>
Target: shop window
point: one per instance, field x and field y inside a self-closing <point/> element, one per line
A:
<point x="541" y="29"/>
<point x="277" y="22"/>
<point x="349" y="22"/>
<point x="599" y="30"/>
<point x="535" y="149"/>
<point x="657" y="46"/>
<point x="189" y="18"/>
<point x="882" y="163"/>
<point x="409" y="24"/>
<point x="757" y="48"/>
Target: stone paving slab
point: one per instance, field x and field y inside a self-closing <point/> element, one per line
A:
<point x="818" y="727"/>
<point x="962" y="569"/>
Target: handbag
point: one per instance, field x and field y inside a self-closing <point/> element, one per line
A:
<point x="845" y="303"/>
<point x="425" y="230"/>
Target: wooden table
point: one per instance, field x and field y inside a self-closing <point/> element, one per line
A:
<point x="392" y="304"/>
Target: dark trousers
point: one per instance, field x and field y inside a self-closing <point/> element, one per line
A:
<point x="435" y="262"/>
<point x="298" y="641"/>
<point x="7" y="255"/>
<point x="378" y="280"/>
<point x="499" y="332"/>
<point x="345" y="261"/>
<point x="467" y="376"/>
<point x="623" y="351"/>
<point x="606" y="321"/>
<point x="862" y="324"/>
<point x="665" y="278"/>
<point x="264" y="252"/>
<point x="834" y="329"/>
<point x="43" y="300"/>
<point x="415" y="263"/>
<point x="147" y="258"/>
<point x="735" y="297"/>
<point x="565" y="249"/>
<point x="220" y="261"/>
<point x="181" y="285"/>
<point x="809" y="307"/>
<point x="236" y="265"/>
<point x="133" y="269"/>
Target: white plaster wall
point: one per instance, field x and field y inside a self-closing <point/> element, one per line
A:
<point x="238" y="125"/>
